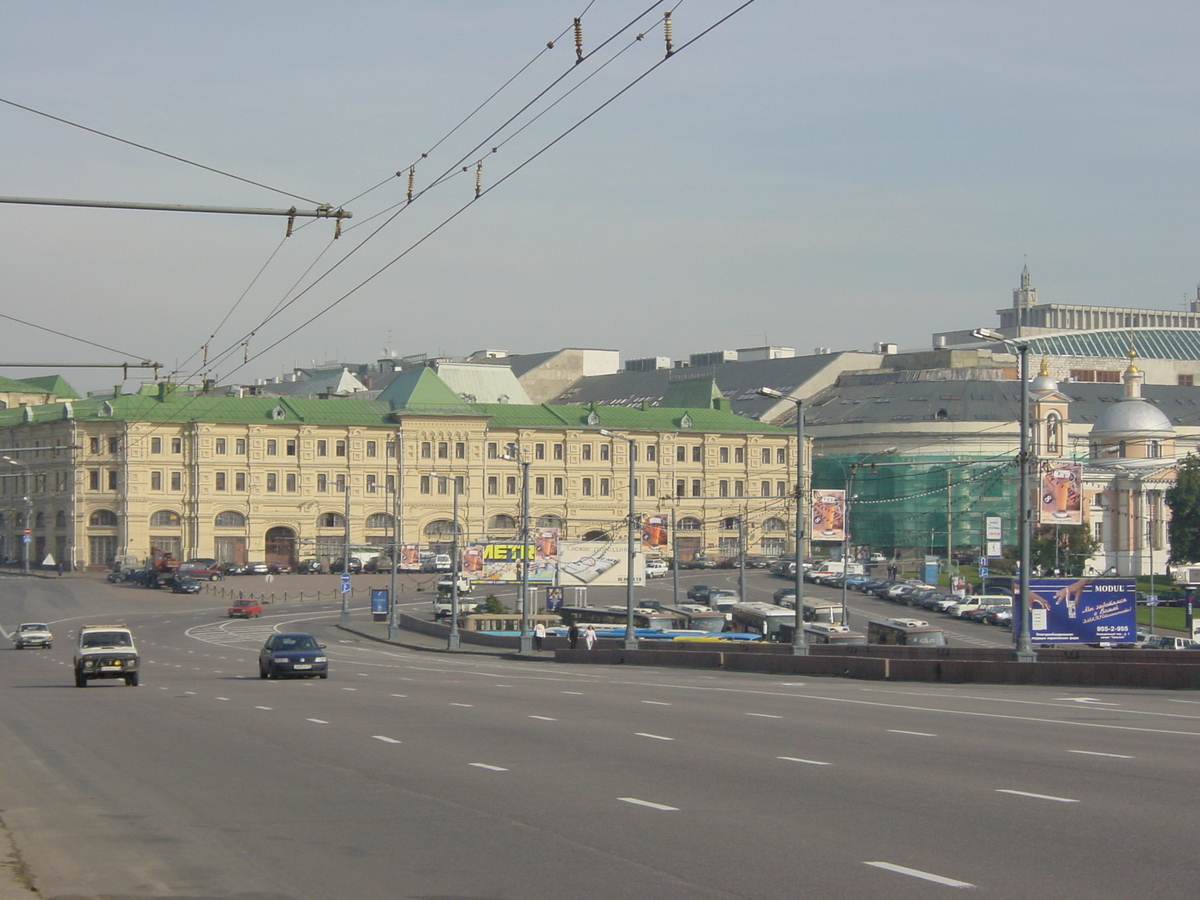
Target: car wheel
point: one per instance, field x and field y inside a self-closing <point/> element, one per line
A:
<point x="214" y="577"/>
<point x="80" y="680"/>
<point x="48" y="646"/>
<point x="262" y="673"/>
<point x="132" y="680"/>
<point x="324" y="675"/>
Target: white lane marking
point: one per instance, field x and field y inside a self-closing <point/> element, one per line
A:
<point x="636" y="802"/>
<point x="764" y="716"/>
<point x="317" y="721"/>
<point x="222" y="698"/>
<point x="385" y="739"/>
<point x="262" y="707"/>
<point x="577" y="693"/>
<point x="1037" y="796"/>
<point x="657" y="737"/>
<point x="917" y="873"/>
<point x="489" y="768"/>
<point x="1088" y="700"/>
<point x="655" y="702"/>
<point x="913" y="733"/>
<point x="363" y="675"/>
<point x="467" y="705"/>
<point x="810" y="762"/>
<point x="543" y="718"/>
<point x="401" y="696"/>
<point x="345" y="689"/>
<point x="1094" y="753"/>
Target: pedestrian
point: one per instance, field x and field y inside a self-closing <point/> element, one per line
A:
<point x="589" y="637"/>
<point x="539" y="635"/>
<point x="573" y="635"/>
<point x="59" y="568"/>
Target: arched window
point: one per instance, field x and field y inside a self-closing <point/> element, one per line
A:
<point x="687" y="523"/>
<point x="440" y="528"/>
<point x="774" y="524"/>
<point x="730" y="523"/>
<point x="1053" y="433"/>
<point x="60" y="519"/>
<point x="597" y="536"/>
<point x="164" y="518"/>
<point x="551" y="522"/>
<point x="501" y="523"/>
<point x="331" y="520"/>
<point x="230" y="518"/>
<point x="104" y="518"/>
<point x="379" y="520"/>
<point x="39" y="521"/>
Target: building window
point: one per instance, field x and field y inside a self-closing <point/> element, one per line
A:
<point x="340" y="482"/>
<point x="339" y="448"/>
<point x="291" y="482"/>
<point x="493" y="485"/>
<point x="680" y="487"/>
<point x="766" y="457"/>
<point x="177" y="481"/>
<point x="558" y="451"/>
<point x="221" y="446"/>
<point x="739" y="489"/>
<point x="558" y="487"/>
<point x="230" y="518"/>
<point x="390" y="480"/>
<point x="370" y="484"/>
<point x="290" y="447"/>
<point x="426" y="450"/>
<point x="687" y="523"/>
<point x="239" y="481"/>
<point x="443" y="450"/>
<point x="585" y="452"/>
<point x="651" y="487"/>
<point x="1186" y="380"/>
<point x="539" y="486"/>
<point x="94" y="443"/>
<point x="219" y="478"/>
<point x="510" y="484"/>
<point x="501" y="522"/>
<point x="156" y="445"/>
<point x="443" y="485"/>
<point x="239" y="446"/>
<point x="322" y="448"/>
<point x="176" y="445"/>
<point x="781" y="489"/>
<point x="722" y="488"/>
<point x="774" y="524"/>
<point x="104" y="518"/>
<point x="698" y="453"/>
<point x="322" y="483"/>
<point x="272" y="447"/>
<point x="424" y="484"/>
<point x="371" y="450"/>
<point x="379" y="521"/>
<point x="605" y="452"/>
<point x="696" y="487"/>
<point x="723" y="454"/>
<point x="491" y="450"/>
<point x="539" y="451"/>
<point x="586" y="487"/>
<point x="605" y="486"/>
<point x="156" y="481"/>
<point x="781" y="456"/>
<point x="681" y="453"/>
<point x="391" y="449"/>
<point x="331" y="520"/>
<point x="460" y="450"/>
<point x="165" y="518"/>
<point x="651" y="453"/>
<point x="739" y="454"/>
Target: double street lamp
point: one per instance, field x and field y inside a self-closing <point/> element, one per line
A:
<point x="525" y="644"/>
<point x="631" y="642"/>
<point x="452" y="642"/>
<point x="28" y="513"/>
<point x="799" y="638"/>
<point x="1025" y="651"/>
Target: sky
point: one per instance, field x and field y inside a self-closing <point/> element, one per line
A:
<point x="828" y="174"/>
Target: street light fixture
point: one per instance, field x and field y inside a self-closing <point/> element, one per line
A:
<point x="28" y="514"/>
<point x="452" y="642"/>
<point x="1025" y="651"/>
<point x="799" y="638"/>
<point x="525" y="643"/>
<point x="631" y="642"/>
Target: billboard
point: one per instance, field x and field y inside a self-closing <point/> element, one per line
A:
<point x="1060" y="493"/>
<point x="501" y="561"/>
<point x="828" y="514"/>
<point x="1082" y="610"/>
<point x="655" y="536"/>
<point x="597" y="563"/>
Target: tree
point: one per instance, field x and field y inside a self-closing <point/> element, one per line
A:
<point x="493" y="606"/>
<point x="1183" y="499"/>
<point x="1063" y="547"/>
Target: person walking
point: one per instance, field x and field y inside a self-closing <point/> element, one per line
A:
<point x="573" y="635"/>
<point x="539" y="635"/>
<point x="589" y="637"/>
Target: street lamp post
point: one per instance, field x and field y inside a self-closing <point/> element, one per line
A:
<point x="452" y="642"/>
<point x="799" y="638"/>
<point x="631" y="642"/>
<point x="393" y="626"/>
<point x="1024" y="651"/>
<point x="25" y="538"/>
<point x="525" y="643"/>
<point x="850" y="498"/>
<point x="345" y="614"/>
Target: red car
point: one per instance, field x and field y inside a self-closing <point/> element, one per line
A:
<point x="245" y="609"/>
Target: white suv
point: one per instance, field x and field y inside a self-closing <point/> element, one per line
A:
<point x="106" y="651"/>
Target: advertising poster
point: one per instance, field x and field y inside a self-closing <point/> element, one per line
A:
<point x="1082" y="610"/>
<point x="501" y="562"/>
<point x="410" y="558"/>
<point x="655" y="537"/>
<point x="828" y="515"/>
<point x="545" y="544"/>
<point x="1060" y="493"/>
<point x="598" y="563"/>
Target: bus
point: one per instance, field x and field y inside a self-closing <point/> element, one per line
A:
<point x="822" y="633"/>
<point x="905" y="632"/>
<point x="697" y="618"/>
<point x="617" y="618"/>
<point x="763" y="619"/>
<point x="821" y="611"/>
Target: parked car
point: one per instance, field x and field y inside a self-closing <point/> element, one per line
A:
<point x="278" y="568"/>
<point x="200" y="569"/>
<point x="245" y="609"/>
<point x="232" y="568"/>
<point x="310" y="567"/>
<point x="290" y="653"/>
<point x="183" y="584"/>
<point x="339" y="565"/>
<point x="698" y="562"/>
<point x="258" y="568"/>
<point x="32" y="634"/>
<point x="656" y="568"/>
<point x="699" y="592"/>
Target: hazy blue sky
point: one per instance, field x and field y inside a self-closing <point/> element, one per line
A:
<point x="807" y="174"/>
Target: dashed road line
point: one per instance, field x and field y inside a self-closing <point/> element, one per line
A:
<point x="636" y="802"/>
<point x="764" y="716"/>
<point x="809" y="762"/>
<point x="543" y="718"/>
<point x="917" y="873"/>
<point x="489" y="768"/>
<point x="913" y="733"/>
<point x="1036" y="796"/>
<point x="657" y="737"/>
<point x="467" y="705"/>
<point x="317" y="721"/>
<point x="1094" y="753"/>
<point x="385" y="739"/>
<point x="262" y="707"/>
<point x="653" y="702"/>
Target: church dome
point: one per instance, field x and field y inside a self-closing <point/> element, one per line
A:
<point x="1133" y="416"/>
<point x="1043" y="384"/>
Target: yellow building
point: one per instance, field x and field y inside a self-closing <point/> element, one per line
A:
<point x="277" y="479"/>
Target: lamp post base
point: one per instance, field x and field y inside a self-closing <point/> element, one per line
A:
<point x="526" y="644"/>
<point x="799" y="649"/>
<point x="1024" y="656"/>
<point x="452" y="641"/>
<point x="630" y="644"/>
<point x="393" y="631"/>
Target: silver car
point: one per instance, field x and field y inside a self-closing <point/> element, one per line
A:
<point x="32" y="634"/>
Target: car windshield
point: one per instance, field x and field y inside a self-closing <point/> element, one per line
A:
<point x="107" y="639"/>
<point x="33" y="627"/>
<point x="296" y="642"/>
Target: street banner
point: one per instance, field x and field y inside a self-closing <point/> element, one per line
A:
<point x="1082" y="610"/>
<point x="1060" y="493"/>
<point x="828" y="515"/>
<point x="501" y="561"/>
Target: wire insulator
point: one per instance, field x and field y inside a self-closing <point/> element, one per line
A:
<point x="337" y="224"/>
<point x="478" y="178"/>
<point x="291" y="222"/>
<point x="667" y="32"/>
<point x="578" y="41"/>
<point x="412" y="174"/>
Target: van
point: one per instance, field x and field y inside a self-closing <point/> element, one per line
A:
<point x="978" y="601"/>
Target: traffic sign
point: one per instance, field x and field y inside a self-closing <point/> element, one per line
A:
<point x="344" y="587"/>
<point x="983" y="562"/>
<point x="983" y="570"/>
<point x="345" y="579"/>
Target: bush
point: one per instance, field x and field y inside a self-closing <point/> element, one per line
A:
<point x="493" y="606"/>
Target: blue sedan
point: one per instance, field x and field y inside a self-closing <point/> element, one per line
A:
<point x="296" y="655"/>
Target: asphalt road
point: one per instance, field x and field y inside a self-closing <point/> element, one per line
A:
<point x="411" y="774"/>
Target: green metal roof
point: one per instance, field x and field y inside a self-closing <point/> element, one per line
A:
<point x="622" y="418"/>
<point x="52" y="384"/>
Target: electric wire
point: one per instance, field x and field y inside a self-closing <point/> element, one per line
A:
<point x="72" y="337"/>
